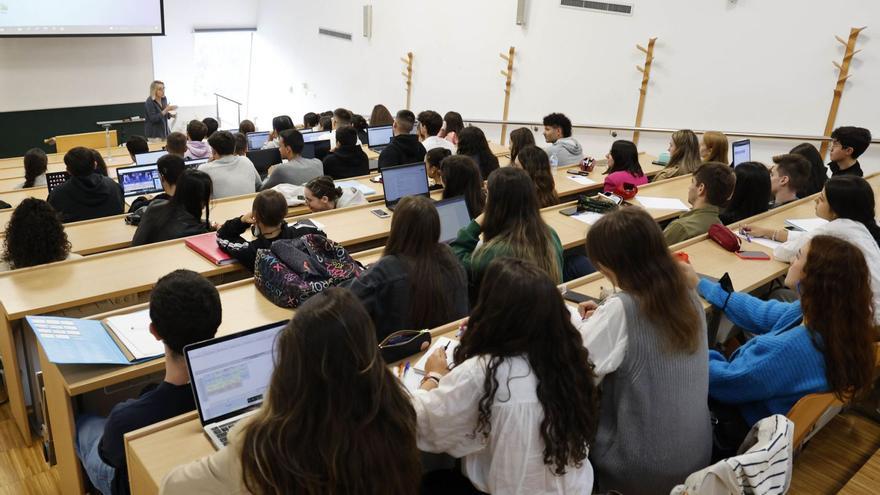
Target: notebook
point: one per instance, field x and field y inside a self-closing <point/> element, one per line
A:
<point x="122" y="339"/>
<point x="206" y="245"/>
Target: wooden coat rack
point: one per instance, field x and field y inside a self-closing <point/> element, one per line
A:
<point x="646" y="76"/>
<point x="408" y="60"/>
<point x="843" y="75"/>
<point x="509" y="75"/>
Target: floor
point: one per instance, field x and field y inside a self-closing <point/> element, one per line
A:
<point x="22" y="469"/>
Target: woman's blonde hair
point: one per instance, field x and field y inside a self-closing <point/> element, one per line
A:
<point x="154" y="86"/>
<point x="717" y="144"/>
<point x="687" y="152"/>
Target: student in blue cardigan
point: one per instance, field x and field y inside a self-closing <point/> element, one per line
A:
<point x="821" y="343"/>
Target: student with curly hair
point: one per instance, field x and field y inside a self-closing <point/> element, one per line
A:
<point x="34" y="236"/>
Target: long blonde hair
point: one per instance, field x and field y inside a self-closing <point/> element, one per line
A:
<point x="154" y="86"/>
<point x="687" y="152"/>
<point x="717" y="144"/>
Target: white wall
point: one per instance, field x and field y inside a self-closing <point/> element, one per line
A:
<point x="751" y="66"/>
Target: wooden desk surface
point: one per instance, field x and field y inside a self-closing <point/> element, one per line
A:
<point x="115" y="151"/>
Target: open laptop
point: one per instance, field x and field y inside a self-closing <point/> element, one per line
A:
<point x="263" y="159"/>
<point x="454" y="216"/>
<point x="314" y="136"/>
<point x="55" y="179"/>
<point x="378" y="137"/>
<point x="139" y="180"/>
<point x="404" y="180"/>
<point x="229" y="376"/>
<point x="316" y="149"/>
<point x="149" y="158"/>
<point x="256" y="140"/>
<point x="742" y="151"/>
<point x="195" y="163"/>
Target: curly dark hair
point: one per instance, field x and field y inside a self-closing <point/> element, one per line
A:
<point x="506" y="323"/>
<point x="34" y="235"/>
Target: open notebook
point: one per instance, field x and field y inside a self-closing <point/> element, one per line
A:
<point x="123" y="339"/>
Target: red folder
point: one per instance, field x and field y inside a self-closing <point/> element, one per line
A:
<point x="206" y="245"/>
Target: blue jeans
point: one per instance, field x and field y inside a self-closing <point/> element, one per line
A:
<point x="89" y="430"/>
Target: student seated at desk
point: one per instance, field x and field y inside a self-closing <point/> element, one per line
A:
<point x="280" y="124"/>
<point x="232" y="175"/>
<point x="334" y="419"/>
<point x="196" y="147"/>
<point x="35" y="164"/>
<point x="212" y="124"/>
<point x="519" y="405"/>
<point x="266" y="221"/>
<point x="321" y="194"/>
<point x="822" y="343"/>
<point x="87" y="194"/>
<point x="847" y="145"/>
<point x="452" y="125"/>
<point x="788" y="175"/>
<point x="34" y="236"/>
<point x="310" y="121"/>
<point x="713" y="147"/>
<point x="751" y="192"/>
<point x="297" y="170"/>
<point x="623" y="166"/>
<point x="326" y="123"/>
<point x="360" y="125"/>
<point x="519" y="139"/>
<point x="647" y="349"/>
<point x="180" y="216"/>
<point x="818" y="170"/>
<point x="170" y="168"/>
<point x="511" y="225"/>
<point x="348" y="158"/>
<point x="240" y="144"/>
<point x="404" y="147"/>
<point x="184" y="308"/>
<point x="430" y="123"/>
<point x="433" y="159"/>
<point x="417" y="283"/>
<point x="711" y="187"/>
<point x="341" y="119"/>
<point x="136" y="145"/>
<point x="461" y="177"/>
<point x="848" y="205"/>
<point x="684" y="155"/>
<point x="381" y="116"/>
<point x="536" y="163"/>
<point x="175" y="144"/>
<point x="99" y="163"/>
<point x="566" y="149"/>
<point x="472" y="142"/>
<point x="246" y="126"/>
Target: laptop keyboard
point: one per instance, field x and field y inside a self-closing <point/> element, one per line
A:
<point x="222" y="430"/>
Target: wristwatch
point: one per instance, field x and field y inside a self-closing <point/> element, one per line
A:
<point x="431" y="376"/>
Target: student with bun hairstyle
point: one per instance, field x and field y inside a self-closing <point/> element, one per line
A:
<point x="713" y="147"/>
<point x="461" y="177"/>
<point x="321" y="194"/>
<point x="335" y="419"/>
<point x="34" y="236"/>
<point x="623" y="166"/>
<point x="180" y="216"/>
<point x="751" y="193"/>
<point x="35" y="164"/>
<point x="645" y="354"/>
<point x="684" y="150"/>
<point x="536" y="163"/>
<point x="417" y="283"/>
<point x="519" y="406"/>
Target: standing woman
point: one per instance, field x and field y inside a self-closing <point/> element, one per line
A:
<point x="158" y="112"/>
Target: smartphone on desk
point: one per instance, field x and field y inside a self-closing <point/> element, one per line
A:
<point x="380" y="213"/>
<point x="753" y="255"/>
<point x="577" y="297"/>
<point x="377" y="179"/>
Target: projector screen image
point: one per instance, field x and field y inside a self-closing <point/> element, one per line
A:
<point x="81" y="18"/>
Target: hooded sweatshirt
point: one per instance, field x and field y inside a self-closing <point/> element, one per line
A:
<point x="87" y="197"/>
<point x="347" y="161"/>
<point x="567" y="150"/>
<point x="196" y="150"/>
<point x="403" y="149"/>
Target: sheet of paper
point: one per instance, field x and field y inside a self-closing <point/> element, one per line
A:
<point x="441" y="342"/>
<point x="368" y="191"/>
<point x="763" y="242"/>
<point x="588" y="217"/>
<point x="580" y="179"/>
<point x="657" y="203"/>
<point x="806" y="224"/>
<point x="75" y="341"/>
<point x="133" y="330"/>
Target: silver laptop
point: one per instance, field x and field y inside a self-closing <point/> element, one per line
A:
<point x="454" y="216"/>
<point x="378" y="137"/>
<point x="742" y="151"/>
<point x="229" y="376"/>
<point x="256" y="140"/>
<point x="149" y="158"/>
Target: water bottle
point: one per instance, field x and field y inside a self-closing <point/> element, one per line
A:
<point x="554" y="163"/>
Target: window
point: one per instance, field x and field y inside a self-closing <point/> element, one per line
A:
<point x="221" y="65"/>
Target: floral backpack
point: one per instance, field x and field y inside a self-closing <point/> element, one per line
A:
<point x="294" y="270"/>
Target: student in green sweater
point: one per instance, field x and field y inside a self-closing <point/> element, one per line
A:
<point x="711" y="186"/>
<point x="511" y="225"/>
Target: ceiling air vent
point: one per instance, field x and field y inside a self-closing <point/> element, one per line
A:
<point x="335" y="34"/>
<point x="607" y="7"/>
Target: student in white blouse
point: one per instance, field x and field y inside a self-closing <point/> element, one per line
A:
<point x="847" y="202"/>
<point x="648" y="343"/>
<point x="519" y="405"/>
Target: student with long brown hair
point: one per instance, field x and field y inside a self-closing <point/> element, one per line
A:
<point x="536" y="163"/>
<point x="381" y="116"/>
<point x="519" y="406"/>
<point x="823" y="343"/>
<point x="713" y="147"/>
<point x="335" y="419"/>
<point x="649" y="345"/>
<point x="472" y="142"/>
<point x="519" y="139"/>
<point x="461" y="177"/>
<point x="684" y="150"/>
<point x="417" y="283"/>
<point x="511" y="225"/>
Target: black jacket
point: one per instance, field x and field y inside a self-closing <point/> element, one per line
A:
<point x="87" y="197"/>
<point x="347" y="161"/>
<point x="163" y="221"/>
<point x="403" y="149"/>
<point x="230" y="240"/>
<point x="856" y="170"/>
<point x="385" y="289"/>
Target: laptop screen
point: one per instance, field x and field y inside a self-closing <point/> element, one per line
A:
<point x="311" y="137"/>
<point x="139" y="180"/>
<point x="404" y="180"/>
<point x="742" y="151"/>
<point x="454" y="216"/>
<point x="263" y="159"/>
<point x="230" y="374"/>
<point x="316" y="149"/>
<point x="256" y="140"/>
<point x="55" y="179"/>
<point x="379" y="135"/>
<point x="149" y="158"/>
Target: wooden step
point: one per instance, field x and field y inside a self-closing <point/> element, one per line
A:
<point x="867" y="479"/>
